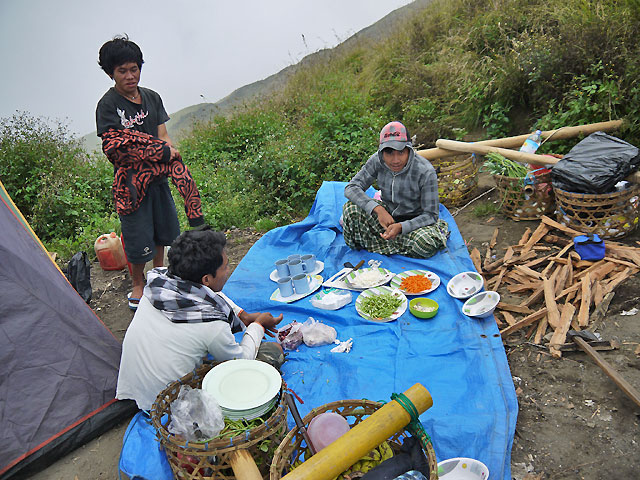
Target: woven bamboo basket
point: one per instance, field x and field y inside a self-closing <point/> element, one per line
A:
<point x="293" y="447"/>
<point x="610" y="215"/>
<point x="526" y="198"/>
<point x="210" y="460"/>
<point x="457" y="179"/>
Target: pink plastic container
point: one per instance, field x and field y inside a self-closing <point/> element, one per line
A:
<point x="325" y="428"/>
<point x="110" y="252"/>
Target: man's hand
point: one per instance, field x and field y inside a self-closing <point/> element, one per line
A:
<point x="174" y="152"/>
<point x="384" y="217"/>
<point x="392" y="231"/>
<point x="268" y="322"/>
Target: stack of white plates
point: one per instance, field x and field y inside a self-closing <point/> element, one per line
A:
<point x="244" y="389"/>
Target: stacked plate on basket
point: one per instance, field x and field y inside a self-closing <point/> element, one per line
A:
<point x="244" y="389"/>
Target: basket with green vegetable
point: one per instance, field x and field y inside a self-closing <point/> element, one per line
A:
<point x="293" y="450"/>
<point x="211" y="458"/>
<point x="524" y="194"/>
<point x="457" y="178"/>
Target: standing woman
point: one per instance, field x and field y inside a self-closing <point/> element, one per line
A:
<point x="131" y="119"/>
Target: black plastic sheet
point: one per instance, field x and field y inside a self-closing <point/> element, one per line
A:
<point x="595" y="164"/>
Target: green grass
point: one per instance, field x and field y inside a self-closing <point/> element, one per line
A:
<point x="485" y="209"/>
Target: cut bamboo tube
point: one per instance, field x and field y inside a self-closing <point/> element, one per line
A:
<point x="362" y="438"/>
<point x="517" y="141"/>
<point x="515" y="155"/>
<point x="243" y="465"/>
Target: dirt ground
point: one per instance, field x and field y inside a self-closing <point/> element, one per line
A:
<point x="573" y="421"/>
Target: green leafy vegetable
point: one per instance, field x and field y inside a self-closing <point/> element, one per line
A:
<point x="497" y="164"/>
<point x="380" y="306"/>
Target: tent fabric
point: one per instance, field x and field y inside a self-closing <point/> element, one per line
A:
<point x="60" y="363"/>
<point x="460" y="360"/>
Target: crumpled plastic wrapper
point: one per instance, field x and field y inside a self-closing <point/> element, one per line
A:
<point x="343" y="347"/>
<point x="290" y="336"/>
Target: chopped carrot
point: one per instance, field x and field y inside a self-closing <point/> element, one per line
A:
<point x="415" y="284"/>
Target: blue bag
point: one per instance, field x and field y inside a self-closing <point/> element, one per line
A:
<point x="589" y="247"/>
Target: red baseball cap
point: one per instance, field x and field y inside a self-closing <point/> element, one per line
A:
<point x="394" y="135"/>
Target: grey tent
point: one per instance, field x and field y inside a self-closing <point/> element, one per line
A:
<point x="59" y="362"/>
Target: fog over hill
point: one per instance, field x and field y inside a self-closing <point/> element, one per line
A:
<point x="183" y="120"/>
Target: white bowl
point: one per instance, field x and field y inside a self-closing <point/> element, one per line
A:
<point x="465" y="284"/>
<point x="481" y="304"/>
<point x="462" y="469"/>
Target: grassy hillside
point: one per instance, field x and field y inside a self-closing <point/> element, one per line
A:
<point x="444" y="67"/>
<point x="457" y="66"/>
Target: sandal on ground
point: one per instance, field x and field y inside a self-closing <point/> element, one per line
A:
<point x="133" y="301"/>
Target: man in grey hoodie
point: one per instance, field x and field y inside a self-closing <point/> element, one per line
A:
<point x="405" y="221"/>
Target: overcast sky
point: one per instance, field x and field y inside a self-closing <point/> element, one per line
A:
<point x="194" y="50"/>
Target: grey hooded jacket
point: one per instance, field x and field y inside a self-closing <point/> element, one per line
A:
<point x="412" y="192"/>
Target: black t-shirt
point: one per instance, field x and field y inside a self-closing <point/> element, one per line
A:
<point x="115" y="111"/>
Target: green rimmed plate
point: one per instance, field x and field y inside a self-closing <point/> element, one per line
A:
<point x="435" y="281"/>
<point x="378" y="291"/>
<point x="352" y="278"/>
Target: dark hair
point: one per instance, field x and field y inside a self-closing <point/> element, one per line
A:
<point x="117" y="52"/>
<point x="196" y="253"/>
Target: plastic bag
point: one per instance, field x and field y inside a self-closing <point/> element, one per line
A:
<point x="595" y="164"/>
<point x="331" y="300"/>
<point x="195" y="415"/>
<point x="290" y="336"/>
<point x="315" y="333"/>
<point x="79" y="275"/>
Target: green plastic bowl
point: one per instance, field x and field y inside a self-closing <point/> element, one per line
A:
<point x="424" y="303"/>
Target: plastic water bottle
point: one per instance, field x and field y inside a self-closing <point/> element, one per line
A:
<point x="411" y="475"/>
<point x="532" y="142"/>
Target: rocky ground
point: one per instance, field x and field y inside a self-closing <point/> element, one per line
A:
<point x="573" y="421"/>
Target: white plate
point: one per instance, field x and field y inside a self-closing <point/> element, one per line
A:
<point x="380" y="291"/>
<point x="481" y="304"/>
<point x="465" y="284"/>
<point x="319" y="267"/>
<point x="242" y="384"/>
<point x="435" y="281"/>
<point x="352" y="278"/>
<point x="315" y="283"/>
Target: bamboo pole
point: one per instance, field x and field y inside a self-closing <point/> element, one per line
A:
<point x="362" y="438"/>
<point x="517" y="141"/>
<point x="516" y="155"/>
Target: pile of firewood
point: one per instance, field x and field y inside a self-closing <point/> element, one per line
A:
<point x="555" y="289"/>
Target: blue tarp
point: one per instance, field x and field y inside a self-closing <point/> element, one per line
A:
<point x="460" y="360"/>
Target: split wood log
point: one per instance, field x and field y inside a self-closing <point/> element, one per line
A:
<point x="585" y="302"/>
<point x="520" y="258"/>
<point x="526" y="321"/>
<point x="529" y="272"/>
<point x="550" y="238"/>
<point x="516" y="142"/>
<point x="600" y="311"/>
<point x="475" y="258"/>
<point x="498" y="280"/>
<point x="513" y="308"/>
<point x="558" y="226"/>
<point x="561" y="279"/>
<point x="560" y="334"/>
<point x="534" y="297"/>
<point x="523" y="287"/>
<point x="553" y="315"/>
<point x="510" y="319"/>
<point x="541" y="330"/>
<point x="525" y="236"/>
<point x="536" y="236"/>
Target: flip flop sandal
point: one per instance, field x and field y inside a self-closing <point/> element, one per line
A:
<point x="133" y="302"/>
